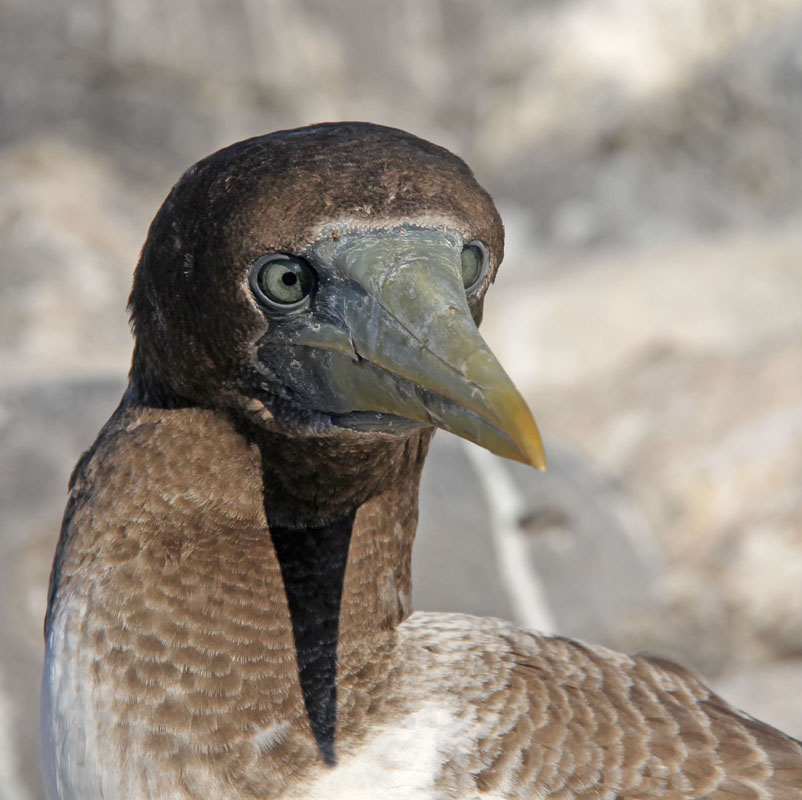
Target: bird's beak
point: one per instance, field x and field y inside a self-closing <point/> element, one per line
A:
<point x="413" y="348"/>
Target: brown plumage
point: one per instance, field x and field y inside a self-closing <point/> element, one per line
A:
<point x="229" y="609"/>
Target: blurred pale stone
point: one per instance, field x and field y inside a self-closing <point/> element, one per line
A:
<point x="71" y="229"/>
<point x="586" y="60"/>
<point x="679" y="372"/>
<point x="770" y="689"/>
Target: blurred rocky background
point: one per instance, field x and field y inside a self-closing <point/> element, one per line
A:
<point x="647" y="160"/>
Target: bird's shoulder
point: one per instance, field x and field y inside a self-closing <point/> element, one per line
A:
<point x="532" y="704"/>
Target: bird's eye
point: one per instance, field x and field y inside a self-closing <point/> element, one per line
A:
<point x="474" y="264"/>
<point x="282" y="283"/>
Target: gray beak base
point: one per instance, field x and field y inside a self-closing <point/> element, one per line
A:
<point x="400" y="342"/>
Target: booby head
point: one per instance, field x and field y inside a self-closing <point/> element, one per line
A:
<point x="326" y="280"/>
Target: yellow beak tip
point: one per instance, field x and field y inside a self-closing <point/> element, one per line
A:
<point x="524" y="432"/>
<point x="537" y="457"/>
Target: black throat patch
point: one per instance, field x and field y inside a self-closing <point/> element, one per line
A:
<point x="313" y="561"/>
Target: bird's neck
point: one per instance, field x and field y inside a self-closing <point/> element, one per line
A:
<point x="264" y="559"/>
<point x="337" y="511"/>
<point x="342" y="509"/>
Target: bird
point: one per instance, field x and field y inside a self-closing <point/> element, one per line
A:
<point x="229" y="611"/>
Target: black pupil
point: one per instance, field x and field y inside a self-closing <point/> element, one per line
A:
<point x="289" y="278"/>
